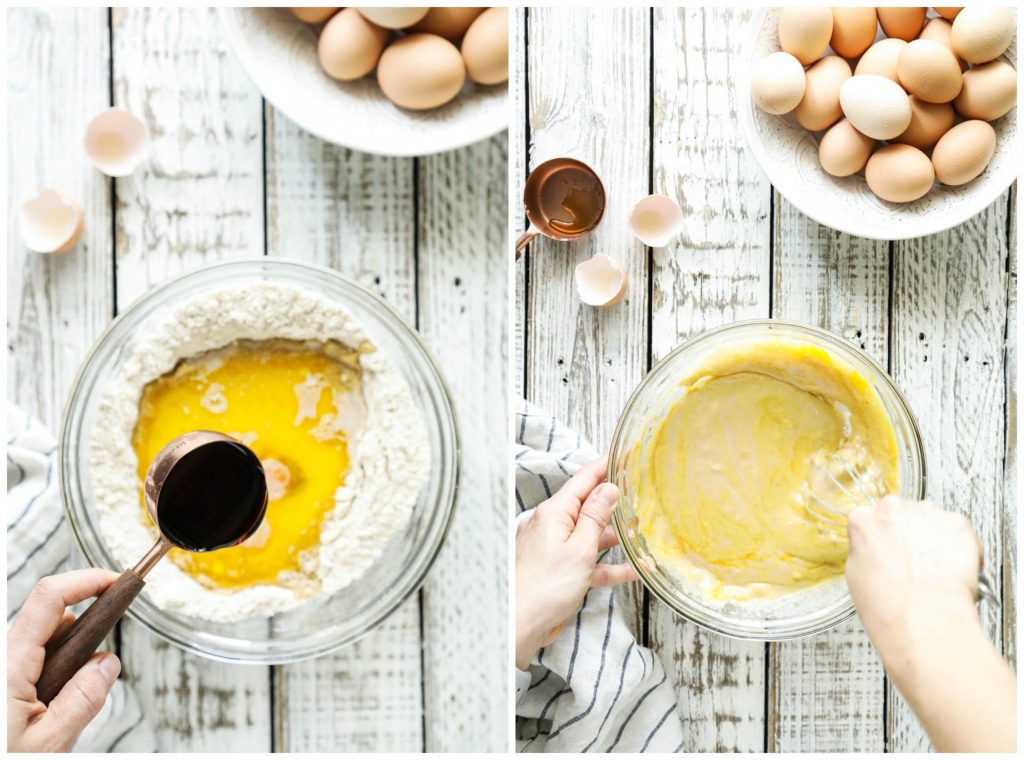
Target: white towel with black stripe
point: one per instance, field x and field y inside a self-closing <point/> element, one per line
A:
<point x="594" y="689"/>
<point x="39" y="544"/>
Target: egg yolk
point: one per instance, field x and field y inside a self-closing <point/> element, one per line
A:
<point x="295" y="405"/>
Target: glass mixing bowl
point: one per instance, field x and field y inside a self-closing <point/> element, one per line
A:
<point x="799" y="614"/>
<point x="320" y="625"/>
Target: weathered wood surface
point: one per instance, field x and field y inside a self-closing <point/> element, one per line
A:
<point x="219" y="157"/>
<point x="745" y="252"/>
<point x="714" y="272"/>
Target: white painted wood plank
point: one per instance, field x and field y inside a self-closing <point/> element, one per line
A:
<point x="198" y="199"/>
<point x="949" y="314"/>
<point x="518" y="171"/>
<point x="588" y="74"/>
<point x="827" y="692"/>
<point x="353" y="212"/>
<point x="463" y="286"/>
<point x="1010" y="549"/>
<point x="366" y="697"/>
<point x="57" y="78"/>
<point x="715" y="272"/>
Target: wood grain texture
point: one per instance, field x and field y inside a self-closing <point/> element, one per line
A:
<point x="827" y="691"/>
<point x="589" y="101"/>
<point x="518" y="170"/>
<point x="715" y="271"/>
<point x="463" y="285"/>
<point x="198" y="199"/>
<point x="57" y="304"/>
<point x="355" y="213"/>
<point x="1010" y="521"/>
<point x="949" y="317"/>
<point x="366" y="697"/>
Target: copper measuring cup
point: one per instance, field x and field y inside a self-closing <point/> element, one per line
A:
<point x="71" y="648"/>
<point x="560" y="188"/>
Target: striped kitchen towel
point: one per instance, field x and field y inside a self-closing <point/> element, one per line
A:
<point x="39" y="544"/>
<point x="594" y="689"/>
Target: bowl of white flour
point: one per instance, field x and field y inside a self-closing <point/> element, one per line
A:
<point x="387" y="520"/>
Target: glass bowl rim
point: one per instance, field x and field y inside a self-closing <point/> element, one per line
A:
<point x="447" y="422"/>
<point x="843" y="611"/>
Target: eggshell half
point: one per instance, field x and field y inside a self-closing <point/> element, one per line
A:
<point x="51" y="222"/>
<point x="655" y="220"/>
<point x="601" y="281"/>
<point x="116" y="141"/>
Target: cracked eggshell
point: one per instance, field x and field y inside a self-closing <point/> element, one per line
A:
<point x="116" y="142"/>
<point x="600" y="281"/>
<point x="51" y="222"/>
<point x="655" y="220"/>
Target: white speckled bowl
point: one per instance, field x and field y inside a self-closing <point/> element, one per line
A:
<point x="279" y="52"/>
<point x="789" y="156"/>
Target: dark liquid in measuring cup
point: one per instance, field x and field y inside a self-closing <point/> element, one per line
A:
<point x="214" y="497"/>
<point x="572" y="200"/>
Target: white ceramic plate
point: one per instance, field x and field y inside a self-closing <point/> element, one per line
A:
<point x="788" y="154"/>
<point x="279" y="52"/>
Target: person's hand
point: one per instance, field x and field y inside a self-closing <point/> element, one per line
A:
<point x="31" y="725"/>
<point x="912" y="569"/>
<point x="913" y="575"/>
<point x="556" y="557"/>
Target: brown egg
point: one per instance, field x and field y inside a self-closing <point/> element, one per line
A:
<point x="928" y="122"/>
<point x="350" y="46"/>
<point x="930" y="71"/>
<point x="421" y="71"/>
<point x="804" y="32"/>
<point x="881" y="58"/>
<point x="981" y="33"/>
<point x="989" y="91"/>
<point x="485" y="47"/>
<point x="843" y="150"/>
<point x="899" y="173"/>
<point x="939" y="30"/>
<point x="853" y="30"/>
<point x="948" y="13"/>
<point x="394" y="18"/>
<point x="313" y="15"/>
<point x="450" y="23"/>
<point x="904" y="23"/>
<point x="963" y="152"/>
<point x="820" y="108"/>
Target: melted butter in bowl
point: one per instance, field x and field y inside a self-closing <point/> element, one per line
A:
<point x="722" y="476"/>
<point x="299" y="406"/>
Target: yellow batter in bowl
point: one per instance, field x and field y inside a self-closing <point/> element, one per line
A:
<point x="724" y="477"/>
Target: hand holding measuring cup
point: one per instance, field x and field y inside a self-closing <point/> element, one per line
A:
<point x="204" y="491"/>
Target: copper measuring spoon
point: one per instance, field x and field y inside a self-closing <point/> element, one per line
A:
<point x="184" y="488"/>
<point x="564" y="200"/>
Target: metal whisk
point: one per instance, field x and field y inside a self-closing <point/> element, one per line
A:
<point x="861" y="491"/>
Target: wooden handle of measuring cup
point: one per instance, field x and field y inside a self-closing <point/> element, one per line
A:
<point x="70" y="649"/>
